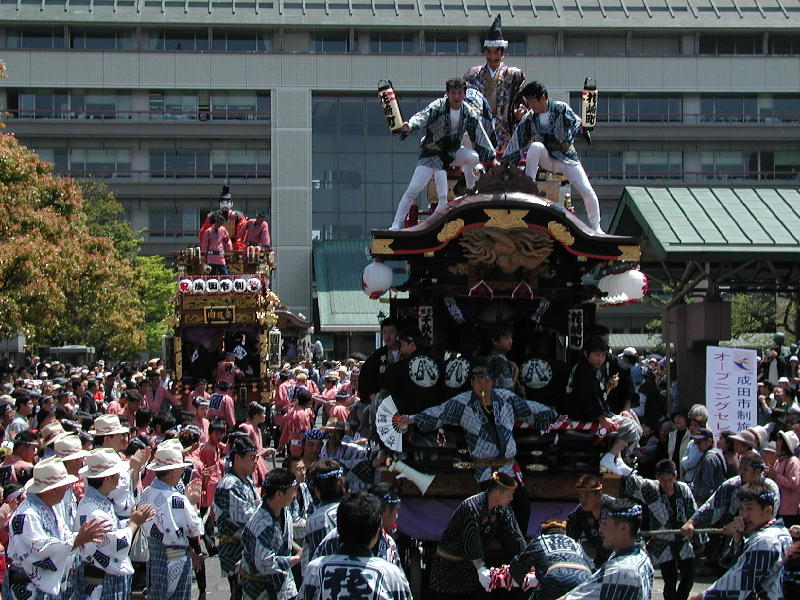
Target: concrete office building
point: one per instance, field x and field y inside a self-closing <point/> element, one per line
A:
<point x="165" y="99"/>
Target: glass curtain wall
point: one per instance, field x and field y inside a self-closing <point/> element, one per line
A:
<point x="359" y="170"/>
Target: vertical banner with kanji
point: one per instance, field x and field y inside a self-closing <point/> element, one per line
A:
<point x="731" y="389"/>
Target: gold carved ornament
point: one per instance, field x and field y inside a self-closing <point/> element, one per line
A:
<point x="630" y="253"/>
<point x="450" y="230"/>
<point x="178" y="348"/>
<point x="506" y="250"/>
<point x="502" y="218"/>
<point x="561" y="233"/>
<point x="382" y="246"/>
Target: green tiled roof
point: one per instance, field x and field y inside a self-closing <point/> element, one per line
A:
<point x="343" y="306"/>
<point x="711" y="223"/>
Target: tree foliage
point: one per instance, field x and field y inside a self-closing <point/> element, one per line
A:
<point x="69" y="273"/>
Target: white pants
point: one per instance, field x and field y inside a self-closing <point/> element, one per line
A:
<point x="538" y="156"/>
<point x="419" y="180"/>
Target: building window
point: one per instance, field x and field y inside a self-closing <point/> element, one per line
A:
<point x="173" y="222"/>
<point x="235" y="40"/>
<point x="77" y="104"/>
<point x="179" y="163"/>
<point x="386" y="42"/>
<point x="785" y="45"/>
<point x="190" y="40"/>
<point x="95" y="39"/>
<point x="517" y="44"/>
<point x="648" y="164"/>
<point x="330" y="42"/>
<point x="359" y="170"/>
<point x="240" y="106"/>
<point x="240" y="164"/>
<point x="591" y="45"/>
<point x="58" y="156"/>
<point x="174" y="105"/>
<point x="655" y="46"/>
<point x="729" y="109"/>
<point x="446" y="42"/>
<point x="104" y="163"/>
<point x="731" y="44"/>
<point x="603" y="164"/>
<point x="37" y="38"/>
<point x="729" y="165"/>
<point x="630" y="108"/>
<point x="779" y="109"/>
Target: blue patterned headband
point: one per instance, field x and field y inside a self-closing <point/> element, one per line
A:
<point x="331" y="474"/>
<point x="390" y="499"/>
<point x="754" y="464"/>
<point x="769" y="496"/>
<point x="268" y="483"/>
<point x="633" y="511"/>
<point x="315" y="434"/>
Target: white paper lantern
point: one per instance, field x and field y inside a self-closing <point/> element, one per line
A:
<point x="632" y="284"/>
<point x="212" y="286"/>
<point x="199" y="286"/>
<point x="623" y="288"/>
<point x="185" y="286"/>
<point x="240" y="285"/>
<point x="376" y="279"/>
<point x="225" y="286"/>
<point x="254" y="284"/>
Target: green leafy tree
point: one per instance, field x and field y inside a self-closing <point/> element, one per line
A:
<point x="60" y="283"/>
<point x="156" y="285"/>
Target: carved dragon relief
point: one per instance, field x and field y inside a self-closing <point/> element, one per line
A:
<point x="508" y="250"/>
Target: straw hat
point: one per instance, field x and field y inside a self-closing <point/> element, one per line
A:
<point x="68" y="446"/>
<point x="335" y="424"/>
<point x="168" y="456"/>
<point x="108" y="425"/>
<point x="102" y="463"/>
<point x="747" y="437"/>
<point x="50" y="432"/>
<point x="49" y="474"/>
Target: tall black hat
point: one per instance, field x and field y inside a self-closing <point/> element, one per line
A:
<point x="494" y="38"/>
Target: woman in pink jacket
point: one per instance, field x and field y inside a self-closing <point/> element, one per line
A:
<point x="786" y="474"/>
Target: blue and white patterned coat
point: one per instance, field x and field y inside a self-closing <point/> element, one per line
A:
<point x="354" y="574"/>
<point x="267" y="549"/>
<point x="176" y="520"/>
<point x="440" y="141"/>
<point x="301" y="507"/>
<point x="627" y="575"/>
<point x="561" y="129"/>
<point x="110" y="555"/>
<point x="321" y="522"/>
<point x="235" y="502"/>
<point x="723" y="505"/>
<point x="384" y="548"/>
<point x="758" y="570"/>
<point x="40" y="543"/>
<point x="560" y="563"/>
<point x="465" y="410"/>
<point x="658" y="515"/>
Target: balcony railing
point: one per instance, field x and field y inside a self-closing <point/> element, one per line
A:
<point x="150" y="175"/>
<point x="139" y="115"/>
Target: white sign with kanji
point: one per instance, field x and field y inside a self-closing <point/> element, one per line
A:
<point x="731" y="389"/>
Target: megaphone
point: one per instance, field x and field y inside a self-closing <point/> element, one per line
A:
<point x="422" y="480"/>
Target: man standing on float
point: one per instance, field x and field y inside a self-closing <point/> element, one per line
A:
<point x="445" y="120"/>
<point x="499" y="83"/>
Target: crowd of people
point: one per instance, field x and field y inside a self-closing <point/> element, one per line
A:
<point x="115" y="481"/>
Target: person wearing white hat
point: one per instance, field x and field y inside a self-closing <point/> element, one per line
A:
<point x="48" y="435"/>
<point x="107" y="569"/>
<point x="115" y="437"/>
<point x="41" y="545"/>
<point x="175" y="529"/>
<point x="786" y="473"/>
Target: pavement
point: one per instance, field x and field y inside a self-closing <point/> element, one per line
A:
<point x="218" y="586"/>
